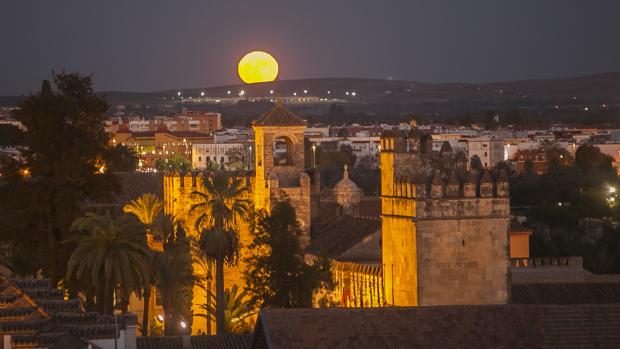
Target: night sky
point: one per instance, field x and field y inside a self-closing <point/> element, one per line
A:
<point x="148" y="45"/>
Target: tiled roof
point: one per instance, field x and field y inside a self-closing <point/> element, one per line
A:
<point x="566" y="293"/>
<point x="159" y="342"/>
<point x="227" y="341"/>
<point x="340" y="234"/>
<point x="37" y="316"/>
<point x="132" y="185"/>
<point x="517" y="227"/>
<point x="480" y="326"/>
<point x="370" y="207"/>
<point x="279" y="116"/>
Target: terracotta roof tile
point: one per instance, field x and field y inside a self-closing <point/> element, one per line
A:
<point x="491" y="326"/>
<point x="566" y="293"/>
<point x="227" y="341"/>
<point x="279" y="116"/>
<point x="340" y="234"/>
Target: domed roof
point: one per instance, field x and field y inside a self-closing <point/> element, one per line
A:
<point x="346" y="191"/>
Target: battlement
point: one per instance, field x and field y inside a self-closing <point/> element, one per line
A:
<point x="195" y="178"/>
<point x="453" y="186"/>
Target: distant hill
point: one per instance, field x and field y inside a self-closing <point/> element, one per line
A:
<point x="399" y="91"/>
<point x="604" y="87"/>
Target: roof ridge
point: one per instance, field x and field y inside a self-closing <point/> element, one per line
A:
<point x="279" y="115"/>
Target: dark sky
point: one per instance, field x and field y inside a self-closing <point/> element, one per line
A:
<point x="146" y="45"/>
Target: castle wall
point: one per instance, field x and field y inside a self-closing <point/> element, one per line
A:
<point x="177" y="201"/>
<point x="444" y="240"/>
<point x="463" y="262"/>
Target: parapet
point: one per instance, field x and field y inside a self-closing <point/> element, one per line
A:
<point x="453" y="185"/>
<point x="194" y="178"/>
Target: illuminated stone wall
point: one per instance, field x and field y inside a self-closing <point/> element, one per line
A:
<point x="177" y="201"/>
<point x="269" y="182"/>
<point x="444" y="236"/>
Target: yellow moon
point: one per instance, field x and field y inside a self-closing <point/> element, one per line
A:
<point x="258" y="66"/>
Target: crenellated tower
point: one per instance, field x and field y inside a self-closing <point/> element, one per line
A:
<point x="444" y="229"/>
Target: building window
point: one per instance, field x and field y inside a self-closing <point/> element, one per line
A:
<point x="199" y="159"/>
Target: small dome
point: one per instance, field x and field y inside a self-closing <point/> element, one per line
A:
<point x="346" y="191"/>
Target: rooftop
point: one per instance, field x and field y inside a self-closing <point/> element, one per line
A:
<point x="481" y="326"/>
<point x="279" y="116"/>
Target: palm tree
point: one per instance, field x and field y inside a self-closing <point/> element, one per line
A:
<point x="146" y="208"/>
<point x="114" y="249"/>
<point x="236" y="308"/>
<point x="223" y="201"/>
<point x="204" y="278"/>
<point x="220" y="206"/>
<point x="173" y="269"/>
<point x="163" y="226"/>
<point x="222" y="247"/>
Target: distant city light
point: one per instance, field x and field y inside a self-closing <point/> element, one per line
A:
<point x="202" y="94"/>
<point x="183" y="324"/>
<point x="270" y="92"/>
<point x="241" y="93"/>
<point x="179" y="93"/>
<point x="586" y="108"/>
<point x="228" y="92"/>
<point x="347" y="93"/>
<point x="353" y="94"/>
<point x="329" y="92"/>
<point x="160" y="318"/>
<point x="612" y="190"/>
<point x="305" y="91"/>
<point x="294" y="93"/>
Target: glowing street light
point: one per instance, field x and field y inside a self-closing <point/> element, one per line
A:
<point x="183" y="324"/>
<point x="228" y="92"/>
<point x="160" y="318"/>
<point x="241" y="93"/>
<point x="294" y="93"/>
<point x="202" y="94"/>
<point x="353" y="94"/>
<point x="329" y="92"/>
<point x="270" y="92"/>
<point x="179" y="93"/>
<point x="612" y="190"/>
<point x="314" y="156"/>
<point x="305" y="91"/>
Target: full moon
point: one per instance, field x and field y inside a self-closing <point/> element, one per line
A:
<point x="257" y="66"/>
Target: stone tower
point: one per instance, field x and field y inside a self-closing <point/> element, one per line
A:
<point x="280" y="173"/>
<point x="444" y="229"/>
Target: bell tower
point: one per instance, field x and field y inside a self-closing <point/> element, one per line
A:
<point x="279" y="161"/>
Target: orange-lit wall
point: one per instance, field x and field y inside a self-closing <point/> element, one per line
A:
<point x="520" y="245"/>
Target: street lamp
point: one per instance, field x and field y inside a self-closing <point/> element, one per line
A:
<point x="314" y="156"/>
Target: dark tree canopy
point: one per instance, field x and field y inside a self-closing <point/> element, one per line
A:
<point x="63" y="151"/>
<point x="590" y="157"/>
<point x="277" y="275"/>
<point x="121" y="158"/>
